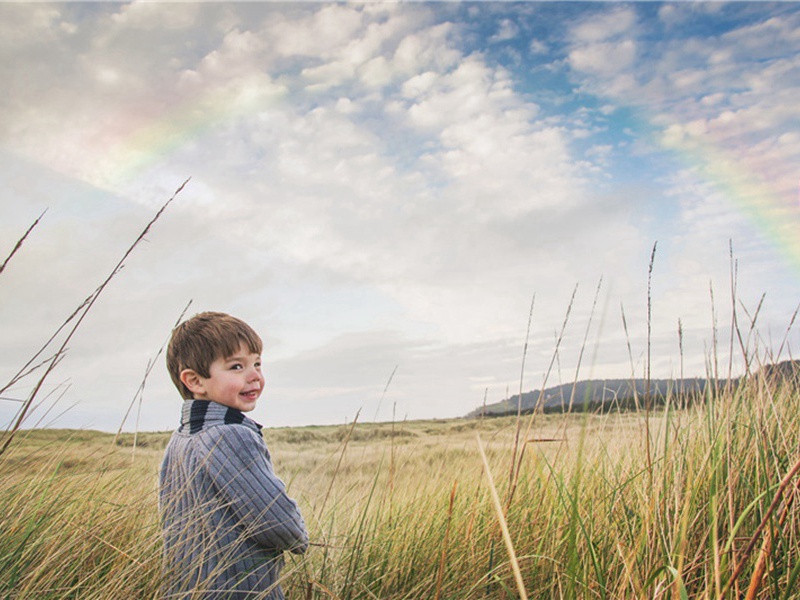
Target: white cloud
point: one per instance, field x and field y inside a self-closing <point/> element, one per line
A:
<point x="147" y="16"/>
<point x="676" y="14"/>
<point x="488" y="143"/>
<point x="315" y="34"/>
<point x="24" y="27"/>
<point x="732" y="91"/>
<point x="604" y="26"/>
<point x="429" y="49"/>
<point x="603" y="58"/>
<point x="507" y="30"/>
<point x="370" y="191"/>
<point x="538" y="47"/>
<point x="419" y="85"/>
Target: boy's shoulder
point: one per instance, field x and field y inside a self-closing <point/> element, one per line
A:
<point x="199" y="416"/>
<point x="225" y="441"/>
<point x="234" y="431"/>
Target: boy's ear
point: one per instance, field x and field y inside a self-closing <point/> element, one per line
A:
<point x="192" y="380"/>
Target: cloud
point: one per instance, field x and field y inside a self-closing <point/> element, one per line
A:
<point x="604" y="25"/>
<point x="730" y="91"/>
<point x="378" y="185"/>
<point x="332" y="196"/>
<point x="603" y="58"/>
<point x="323" y="32"/>
<point x="507" y="30"/>
<point x="538" y="47"/>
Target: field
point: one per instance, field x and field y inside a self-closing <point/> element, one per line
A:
<point x="404" y="510"/>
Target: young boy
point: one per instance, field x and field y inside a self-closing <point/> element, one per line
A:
<point x="226" y="517"/>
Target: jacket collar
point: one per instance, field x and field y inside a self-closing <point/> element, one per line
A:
<point x="197" y="415"/>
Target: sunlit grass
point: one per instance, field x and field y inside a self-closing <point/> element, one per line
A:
<point x="79" y="520"/>
<point x="588" y="520"/>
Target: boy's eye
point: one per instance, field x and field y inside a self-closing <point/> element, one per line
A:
<point x="236" y="367"/>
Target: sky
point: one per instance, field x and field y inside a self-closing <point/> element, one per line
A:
<point x="419" y="206"/>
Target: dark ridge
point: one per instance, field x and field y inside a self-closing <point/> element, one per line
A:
<point x="629" y="394"/>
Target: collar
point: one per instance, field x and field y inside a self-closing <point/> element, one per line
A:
<point x="197" y="415"/>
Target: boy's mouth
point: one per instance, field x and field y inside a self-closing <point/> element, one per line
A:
<point x="251" y="393"/>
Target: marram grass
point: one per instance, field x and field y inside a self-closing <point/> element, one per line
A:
<point x="403" y="511"/>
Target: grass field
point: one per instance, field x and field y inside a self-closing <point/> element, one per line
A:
<point x="404" y="510"/>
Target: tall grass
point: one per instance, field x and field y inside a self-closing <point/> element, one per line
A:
<point x="80" y="521"/>
<point x="587" y="521"/>
<point x="64" y="333"/>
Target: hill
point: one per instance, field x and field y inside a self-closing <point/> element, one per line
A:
<point x="625" y="394"/>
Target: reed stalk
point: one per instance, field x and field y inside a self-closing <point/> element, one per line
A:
<point x="501" y="519"/>
<point x="78" y="315"/>
<point x="20" y="241"/>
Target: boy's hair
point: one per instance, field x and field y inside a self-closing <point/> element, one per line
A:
<point x="204" y="338"/>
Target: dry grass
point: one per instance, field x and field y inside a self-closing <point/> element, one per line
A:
<point x="80" y="521"/>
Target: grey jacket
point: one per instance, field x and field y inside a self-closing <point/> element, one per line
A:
<point x="226" y="517"/>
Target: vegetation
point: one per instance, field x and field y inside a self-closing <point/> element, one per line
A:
<point x="403" y="510"/>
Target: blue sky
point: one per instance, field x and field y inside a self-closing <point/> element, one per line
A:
<point x="387" y="185"/>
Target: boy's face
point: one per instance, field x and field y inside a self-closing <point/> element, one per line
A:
<point x="235" y="381"/>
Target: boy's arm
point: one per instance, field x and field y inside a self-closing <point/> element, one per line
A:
<point x="237" y="463"/>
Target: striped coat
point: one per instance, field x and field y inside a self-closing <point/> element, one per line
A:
<point x="226" y="517"/>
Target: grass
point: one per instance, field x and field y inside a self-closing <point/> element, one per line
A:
<point x="78" y="520"/>
<point x="410" y="515"/>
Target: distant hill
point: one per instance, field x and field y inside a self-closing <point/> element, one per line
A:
<point x="788" y="371"/>
<point x="624" y="394"/>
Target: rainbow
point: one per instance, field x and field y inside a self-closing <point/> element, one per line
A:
<point x="142" y="144"/>
<point x="770" y="205"/>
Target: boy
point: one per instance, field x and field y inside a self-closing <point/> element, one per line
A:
<point x="226" y="517"/>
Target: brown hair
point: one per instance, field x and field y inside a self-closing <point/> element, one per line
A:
<point x="204" y="338"/>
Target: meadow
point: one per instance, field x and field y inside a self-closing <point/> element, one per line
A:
<point x="405" y="510"/>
